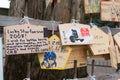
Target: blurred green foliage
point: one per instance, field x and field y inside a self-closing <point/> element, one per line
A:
<point x="97" y="21"/>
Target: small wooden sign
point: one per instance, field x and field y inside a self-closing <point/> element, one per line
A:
<point x="57" y="58"/>
<point x="110" y="11"/>
<point x="26" y="38"/>
<point x="117" y="38"/>
<point x="92" y="6"/>
<point x="75" y="34"/>
<point x="117" y="54"/>
<point x="101" y="40"/>
<point x="78" y="53"/>
<point x="54" y="43"/>
<point x="112" y="49"/>
<point x="54" y="60"/>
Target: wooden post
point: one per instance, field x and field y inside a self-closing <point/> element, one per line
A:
<point x="92" y="69"/>
<point x="1" y="60"/>
<point x="75" y="69"/>
<point x="28" y="69"/>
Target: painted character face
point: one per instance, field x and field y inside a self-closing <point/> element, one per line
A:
<point x="49" y="60"/>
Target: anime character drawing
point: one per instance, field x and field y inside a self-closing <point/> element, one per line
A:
<point x="49" y="60"/>
<point x="93" y="5"/>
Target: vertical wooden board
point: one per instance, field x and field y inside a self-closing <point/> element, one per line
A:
<point x="117" y="54"/>
<point x="59" y="55"/>
<point x="78" y="53"/>
<point x="113" y="56"/>
<point x="92" y="6"/>
<point x="58" y="59"/>
<point x="117" y="38"/>
<point x="101" y="40"/>
<point x="26" y="38"/>
<point x="1" y="60"/>
<point x="110" y="11"/>
<point x="75" y="34"/>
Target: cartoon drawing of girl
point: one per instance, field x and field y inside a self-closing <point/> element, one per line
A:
<point x="49" y="60"/>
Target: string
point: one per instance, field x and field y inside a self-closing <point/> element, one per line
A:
<point x="53" y="31"/>
<point x="25" y="20"/>
<point x="53" y="27"/>
<point x="91" y="22"/>
<point x="74" y="21"/>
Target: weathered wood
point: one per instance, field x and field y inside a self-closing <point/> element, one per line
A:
<point x="15" y="66"/>
<point x="112" y="52"/>
<point x="110" y="11"/>
<point x="9" y="20"/>
<point x="101" y="41"/>
<point x="17" y="8"/>
<point x="1" y="60"/>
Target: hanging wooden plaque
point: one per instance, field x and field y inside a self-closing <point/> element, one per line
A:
<point x="101" y="40"/>
<point x="78" y="53"/>
<point x="110" y="11"/>
<point x="26" y="38"/>
<point x="57" y="58"/>
<point x="117" y="38"/>
<point x="75" y="34"/>
<point x="112" y="49"/>
<point x="92" y="6"/>
<point x="54" y="43"/>
<point x="117" y="54"/>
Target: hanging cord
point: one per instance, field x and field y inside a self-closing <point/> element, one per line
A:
<point x="91" y="21"/>
<point x="108" y="28"/>
<point x="53" y="26"/>
<point x="74" y="21"/>
<point x="25" y="20"/>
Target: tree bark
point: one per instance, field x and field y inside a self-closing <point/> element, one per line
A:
<point x="17" y="8"/>
<point x="16" y="66"/>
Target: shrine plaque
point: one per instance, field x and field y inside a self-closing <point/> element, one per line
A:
<point x="117" y="38"/>
<point x="101" y="40"/>
<point x="26" y="38"/>
<point x="110" y="11"/>
<point x="58" y="57"/>
<point x="92" y="6"/>
<point x="75" y="34"/>
<point x="78" y="53"/>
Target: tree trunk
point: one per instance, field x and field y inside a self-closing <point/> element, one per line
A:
<point x="16" y="66"/>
